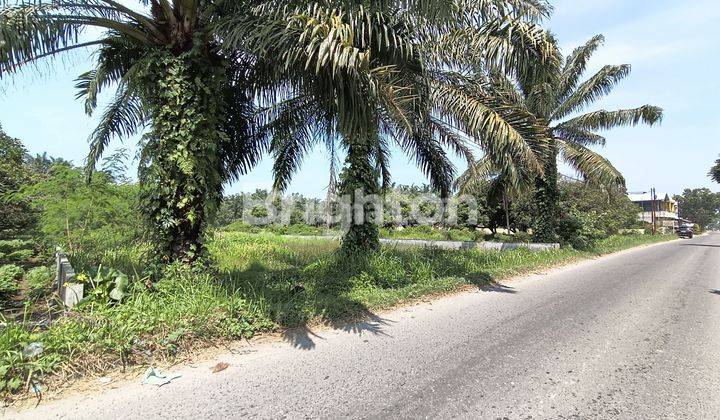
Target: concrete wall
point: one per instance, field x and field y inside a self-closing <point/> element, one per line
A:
<point x="498" y="246"/>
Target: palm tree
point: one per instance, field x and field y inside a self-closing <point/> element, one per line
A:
<point x="555" y="97"/>
<point x="714" y="173"/>
<point x="170" y="72"/>
<point x="504" y="182"/>
<point x="364" y="77"/>
<point x="41" y="164"/>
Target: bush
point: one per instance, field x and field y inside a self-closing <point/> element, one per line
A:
<point x="39" y="280"/>
<point x="20" y="255"/>
<point x="500" y="237"/>
<point x="299" y="229"/>
<point x="523" y="237"/>
<point x="423" y="232"/>
<point x="9" y="275"/>
<point x="579" y="229"/>
<point x="13" y="245"/>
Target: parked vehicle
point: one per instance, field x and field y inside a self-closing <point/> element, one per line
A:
<point x="685" y="232"/>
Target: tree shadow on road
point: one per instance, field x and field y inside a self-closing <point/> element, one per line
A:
<point x="294" y="290"/>
<point x="304" y="338"/>
<point x="484" y="280"/>
<point x="296" y="302"/>
<point x="703" y="245"/>
<point x="496" y="287"/>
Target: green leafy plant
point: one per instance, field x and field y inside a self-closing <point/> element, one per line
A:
<point x="579" y="229"/>
<point x="17" y="217"/>
<point x="9" y="276"/>
<point x="107" y="286"/>
<point x="38" y="281"/>
<point x="20" y="255"/>
<point x="394" y="92"/>
<point x="12" y="245"/>
<point x="81" y="216"/>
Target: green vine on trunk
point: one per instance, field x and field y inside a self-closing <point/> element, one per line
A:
<point x="359" y="174"/>
<point x="547" y="197"/>
<point x="181" y="169"/>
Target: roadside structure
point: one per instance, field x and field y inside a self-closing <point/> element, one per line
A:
<point x="662" y="207"/>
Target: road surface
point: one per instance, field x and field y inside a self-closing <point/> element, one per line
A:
<point x="631" y="335"/>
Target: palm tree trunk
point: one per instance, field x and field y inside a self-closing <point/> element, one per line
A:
<point x="360" y="178"/>
<point x="182" y="181"/>
<point x="547" y="198"/>
<point x="507" y="212"/>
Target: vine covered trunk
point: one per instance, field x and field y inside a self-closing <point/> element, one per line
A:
<point x="360" y="179"/>
<point x="547" y="197"/>
<point x="181" y="168"/>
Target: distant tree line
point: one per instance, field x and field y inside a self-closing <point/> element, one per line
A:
<point x="586" y="211"/>
<point x="700" y="205"/>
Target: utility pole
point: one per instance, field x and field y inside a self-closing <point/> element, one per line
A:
<point x="653" y="216"/>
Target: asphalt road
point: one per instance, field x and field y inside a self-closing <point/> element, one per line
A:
<point x="632" y="335"/>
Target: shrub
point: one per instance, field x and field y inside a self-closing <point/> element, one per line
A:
<point x="20" y="255"/>
<point x="38" y="280"/>
<point x="500" y="237"/>
<point x="523" y="237"/>
<point x="9" y="275"/>
<point x="106" y="286"/>
<point x="424" y="232"/>
<point x="8" y="246"/>
<point x="579" y="229"/>
<point x="299" y="229"/>
<point x="462" y="234"/>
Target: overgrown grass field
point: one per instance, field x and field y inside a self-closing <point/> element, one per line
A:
<point x="423" y="232"/>
<point x="260" y="282"/>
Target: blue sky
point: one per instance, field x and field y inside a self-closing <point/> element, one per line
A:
<point x="674" y="47"/>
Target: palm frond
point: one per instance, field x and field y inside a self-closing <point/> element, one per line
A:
<point x="115" y="58"/>
<point x="504" y="88"/>
<point x="481" y="169"/>
<point x="31" y="31"/>
<point x="502" y="130"/>
<point x="245" y="142"/>
<point x="452" y="139"/>
<point x="593" y="167"/>
<point x="514" y="47"/>
<point x="123" y="117"/>
<point x="432" y="160"/>
<point x="576" y="135"/>
<point x="289" y="125"/>
<point x="575" y="66"/>
<point x="593" y="89"/>
<point x="605" y="120"/>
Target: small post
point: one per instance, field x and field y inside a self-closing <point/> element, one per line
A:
<point x="70" y="292"/>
